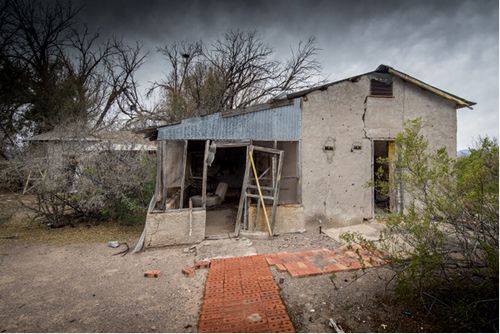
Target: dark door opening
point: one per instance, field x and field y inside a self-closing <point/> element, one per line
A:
<point x="383" y="152"/>
<point x="224" y="181"/>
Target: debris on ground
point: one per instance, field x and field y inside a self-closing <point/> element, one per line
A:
<point x="113" y="244"/>
<point x="188" y="271"/>
<point x="334" y="325"/>
<point x="202" y="264"/>
<point x="152" y="273"/>
<point x="125" y="251"/>
<point x="189" y="249"/>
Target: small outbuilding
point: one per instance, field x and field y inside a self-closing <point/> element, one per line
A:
<point x="268" y="168"/>
<point x="61" y="148"/>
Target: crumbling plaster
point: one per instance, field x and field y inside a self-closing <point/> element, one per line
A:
<point x="345" y="112"/>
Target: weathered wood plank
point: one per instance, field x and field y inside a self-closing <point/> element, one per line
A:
<point x="183" y="180"/>
<point x="277" y="189"/>
<point x="204" y="178"/>
<point x="243" y="191"/>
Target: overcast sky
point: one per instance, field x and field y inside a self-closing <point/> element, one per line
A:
<point x="450" y="44"/>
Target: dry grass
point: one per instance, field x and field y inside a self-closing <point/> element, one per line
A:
<point x="15" y="222"/>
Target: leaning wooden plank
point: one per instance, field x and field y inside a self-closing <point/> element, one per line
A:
<point x="140" y="243"/>
<point x="260" y="194"/>
<point x="243" y="191"/>
<point x="204" y="179"/>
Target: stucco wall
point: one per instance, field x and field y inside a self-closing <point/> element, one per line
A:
<point x="345" y="113"/>
<point x="172" y="228"/>
<point x="289" y="219"/>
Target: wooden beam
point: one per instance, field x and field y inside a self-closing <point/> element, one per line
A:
<point x="158" y="186"/>
<point x="252" y="186"/>
<point x="299" y="172"/>
<point x="204" y="179"/>
<point x="277" y="190"/>
<point x="164" y="176"/>
<point x="259" y="196"/>
<point x="183" y="179"/>
<point x="243" y="191"/>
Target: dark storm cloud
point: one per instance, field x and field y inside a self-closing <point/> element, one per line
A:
<point x="451" y="44"/>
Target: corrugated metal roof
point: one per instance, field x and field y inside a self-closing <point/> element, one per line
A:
<point x="279" y="123"/>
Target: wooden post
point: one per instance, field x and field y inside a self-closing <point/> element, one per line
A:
<point x="164" y="176"/>
<point x="183" y="180"/>
<point x="190" y="217"/>
<point x="299" y="172"/>
<point x="277" y="189"/>
<point x="159" y="160"/>
<point x="204" y="179"/>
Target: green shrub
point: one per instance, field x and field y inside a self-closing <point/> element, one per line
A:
<point x="446" y="240"/>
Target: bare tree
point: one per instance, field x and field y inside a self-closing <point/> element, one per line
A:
<point x="235" y="71"/>
<point x="69" y="73"/>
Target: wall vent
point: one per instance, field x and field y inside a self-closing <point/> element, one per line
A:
<point x="379" y="88"/>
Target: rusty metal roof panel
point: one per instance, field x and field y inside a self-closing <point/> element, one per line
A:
<point x="278" y="123"/>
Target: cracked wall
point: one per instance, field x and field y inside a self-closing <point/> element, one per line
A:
<point x="337" y="189"/>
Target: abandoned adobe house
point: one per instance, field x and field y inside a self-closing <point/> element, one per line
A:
<point x="307" y="154"/>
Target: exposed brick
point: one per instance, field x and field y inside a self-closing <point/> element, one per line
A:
<point x="188" y="271"/>
<point x="152" y="273"/>
<point x="234" y="295"/>
<point x="202" y="264"/>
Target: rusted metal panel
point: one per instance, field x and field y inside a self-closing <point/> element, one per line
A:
<point x="276" y="123"/>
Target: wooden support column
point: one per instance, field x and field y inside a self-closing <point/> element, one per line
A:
<point x="159" y="183"/>
<point x="164" y="171"/>
<point x="183" y="180"/>
<point x="204" y="179"/>
<point x="243" y="192"/>
<point x="277" y="190"/>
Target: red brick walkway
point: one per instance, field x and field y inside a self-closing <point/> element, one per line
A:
<point x="241" y="296"/>
<point x="322" y="261"/>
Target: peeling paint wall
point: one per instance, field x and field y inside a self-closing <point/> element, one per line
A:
<point x="345" y="115"/>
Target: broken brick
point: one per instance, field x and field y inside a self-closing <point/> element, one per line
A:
<point x="202" y="264"/>
<point x="152" y="273"/>
<point x="188" y="271"/>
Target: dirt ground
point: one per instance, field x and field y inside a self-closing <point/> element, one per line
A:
<point x="67" y="280"/>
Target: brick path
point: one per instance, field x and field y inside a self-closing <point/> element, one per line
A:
<point x="322" y="261"/>
<point x="241" y="296"/>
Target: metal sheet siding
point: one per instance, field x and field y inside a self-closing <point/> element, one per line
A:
<point x="281" y="123"/>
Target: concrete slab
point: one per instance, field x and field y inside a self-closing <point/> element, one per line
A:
<point x="224" y="248"/>
<point x="371" y="231"/>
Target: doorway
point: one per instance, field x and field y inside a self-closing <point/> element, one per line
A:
<point x="224" y="181"/>
<point x="383" y="172"/>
